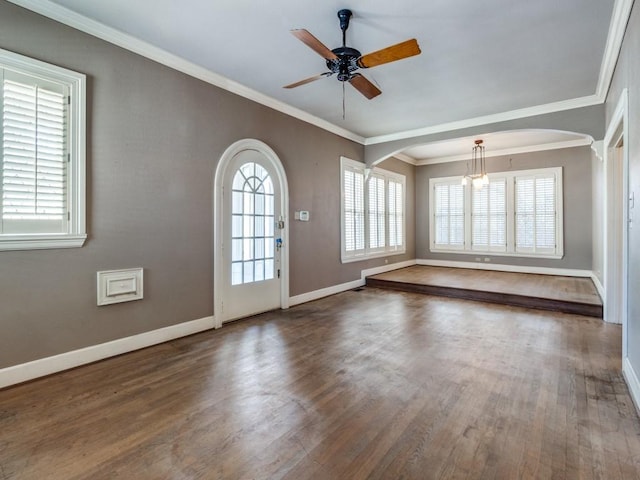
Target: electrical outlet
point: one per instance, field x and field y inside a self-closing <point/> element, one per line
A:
<point x="487" y="259"/>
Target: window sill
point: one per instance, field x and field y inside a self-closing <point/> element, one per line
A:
<point x="40" y="242"/>
<point x="499" y="254"/>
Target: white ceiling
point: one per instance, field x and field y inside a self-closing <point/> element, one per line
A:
<point x="478" y="57"/>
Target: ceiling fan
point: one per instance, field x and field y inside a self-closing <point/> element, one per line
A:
<point x="344" y="61"/>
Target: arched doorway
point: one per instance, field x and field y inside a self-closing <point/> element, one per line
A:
<point x="251" y="264"/>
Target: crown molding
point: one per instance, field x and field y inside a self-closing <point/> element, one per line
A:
<point x="128" y="42"/>
<point x="510" y="151"/>
<point x="405" y="158"/>
<point x="617" y="28"/>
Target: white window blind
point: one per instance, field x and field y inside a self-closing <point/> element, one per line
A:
<point x="42" y="156"/>
<point x="396" y="214"/>
<point x="377" y="212"/>
<point x="489" y="216"/>
<point x="353" y="194"/>
<point x="535" y="211"/>
<point x="449" y="214"/>
<point x="518" y="213"/>
<point x="33" y="157"/>
<point x="372" y="212"/>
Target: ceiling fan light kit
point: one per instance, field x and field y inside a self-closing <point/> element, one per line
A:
<point x="344" y="61"/>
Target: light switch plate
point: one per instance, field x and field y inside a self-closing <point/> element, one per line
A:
<point x="116" y="286"/>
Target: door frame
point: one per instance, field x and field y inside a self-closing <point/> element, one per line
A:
<point x="616" y="212"/>
<point x="218" y="216"/>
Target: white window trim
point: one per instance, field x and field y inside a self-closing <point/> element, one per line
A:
<point x="402" y="180"/>
<point x="76" y="177"/>
<point x="510" y="177"/>
<point x="367" y="253"/>
<point x="432" y="229"/>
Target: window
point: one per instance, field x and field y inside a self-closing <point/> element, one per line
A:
<point x="516" y="213"/>
<point x="353" y="209"/>
<point x="252" y="230"/>
<point x="395" y="212"/>
<point x="372" y="212"/>
<point x="489" y="217"/>
<point x="42" y="185"/>
<point x="449" y="215"/>
<point x="377" y="212"/>
<point x="535" y="214"/>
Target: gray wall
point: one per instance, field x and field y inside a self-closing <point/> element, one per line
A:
<point x="576" y="163"/>
<point x="627" y="75"/>
<point x="154" y="139"/>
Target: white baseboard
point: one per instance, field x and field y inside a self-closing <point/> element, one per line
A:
<point x="599" y="287"/>
<point x="565" y="272"/>
<point x="324" y="292"/>
<point x="57" y="363"/>
<point x="386" y="268"/>
<point x="632" y="382"/>
<point x="343" y="287"/>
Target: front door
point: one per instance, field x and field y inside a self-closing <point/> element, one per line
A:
<point x="251" y="241"/>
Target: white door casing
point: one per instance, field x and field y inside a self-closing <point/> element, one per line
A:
<point x="237" y="292"/>
<point x="616" y="221"/>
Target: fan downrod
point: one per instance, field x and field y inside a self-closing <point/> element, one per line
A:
<point x="344" y="15"/>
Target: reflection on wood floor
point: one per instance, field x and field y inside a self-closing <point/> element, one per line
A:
<point x="365" y="384"/>
<point x="546" y="292"/>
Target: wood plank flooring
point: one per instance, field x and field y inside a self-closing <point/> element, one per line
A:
<point x="545" y="292"/>
<point x="369" y="384"/>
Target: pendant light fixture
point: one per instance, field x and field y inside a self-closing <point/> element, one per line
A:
<point x="478" y="175"/>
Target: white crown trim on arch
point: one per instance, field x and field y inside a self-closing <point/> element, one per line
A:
<point x="225" y="160"/>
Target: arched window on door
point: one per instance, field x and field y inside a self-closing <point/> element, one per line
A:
<point x="252" y="235"/>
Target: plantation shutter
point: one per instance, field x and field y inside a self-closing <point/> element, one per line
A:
<point x="353" y="191"/>
<point x="34" y="155"/>
<point x="545" y="213"/>
<point x="396" y="214"/>
<point x="377" y="212"/>
<point x="536" y="216"/>
<point x="489" y="217"/>
<point x="448" y="215"/>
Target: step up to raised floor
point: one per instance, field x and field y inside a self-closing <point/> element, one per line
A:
<point x="546" y="292"/>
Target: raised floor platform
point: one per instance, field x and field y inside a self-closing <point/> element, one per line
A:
<point x="547" y="292"/>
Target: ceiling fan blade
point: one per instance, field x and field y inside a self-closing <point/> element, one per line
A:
<point x="309" y="80"/>
<point x="312" y="42"/>
<point x="399" y="51"/>
<point x="364" y="86"/>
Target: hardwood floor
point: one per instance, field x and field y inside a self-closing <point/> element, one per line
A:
<point x="366" y="384"/>
<point x="545" y="292"/>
